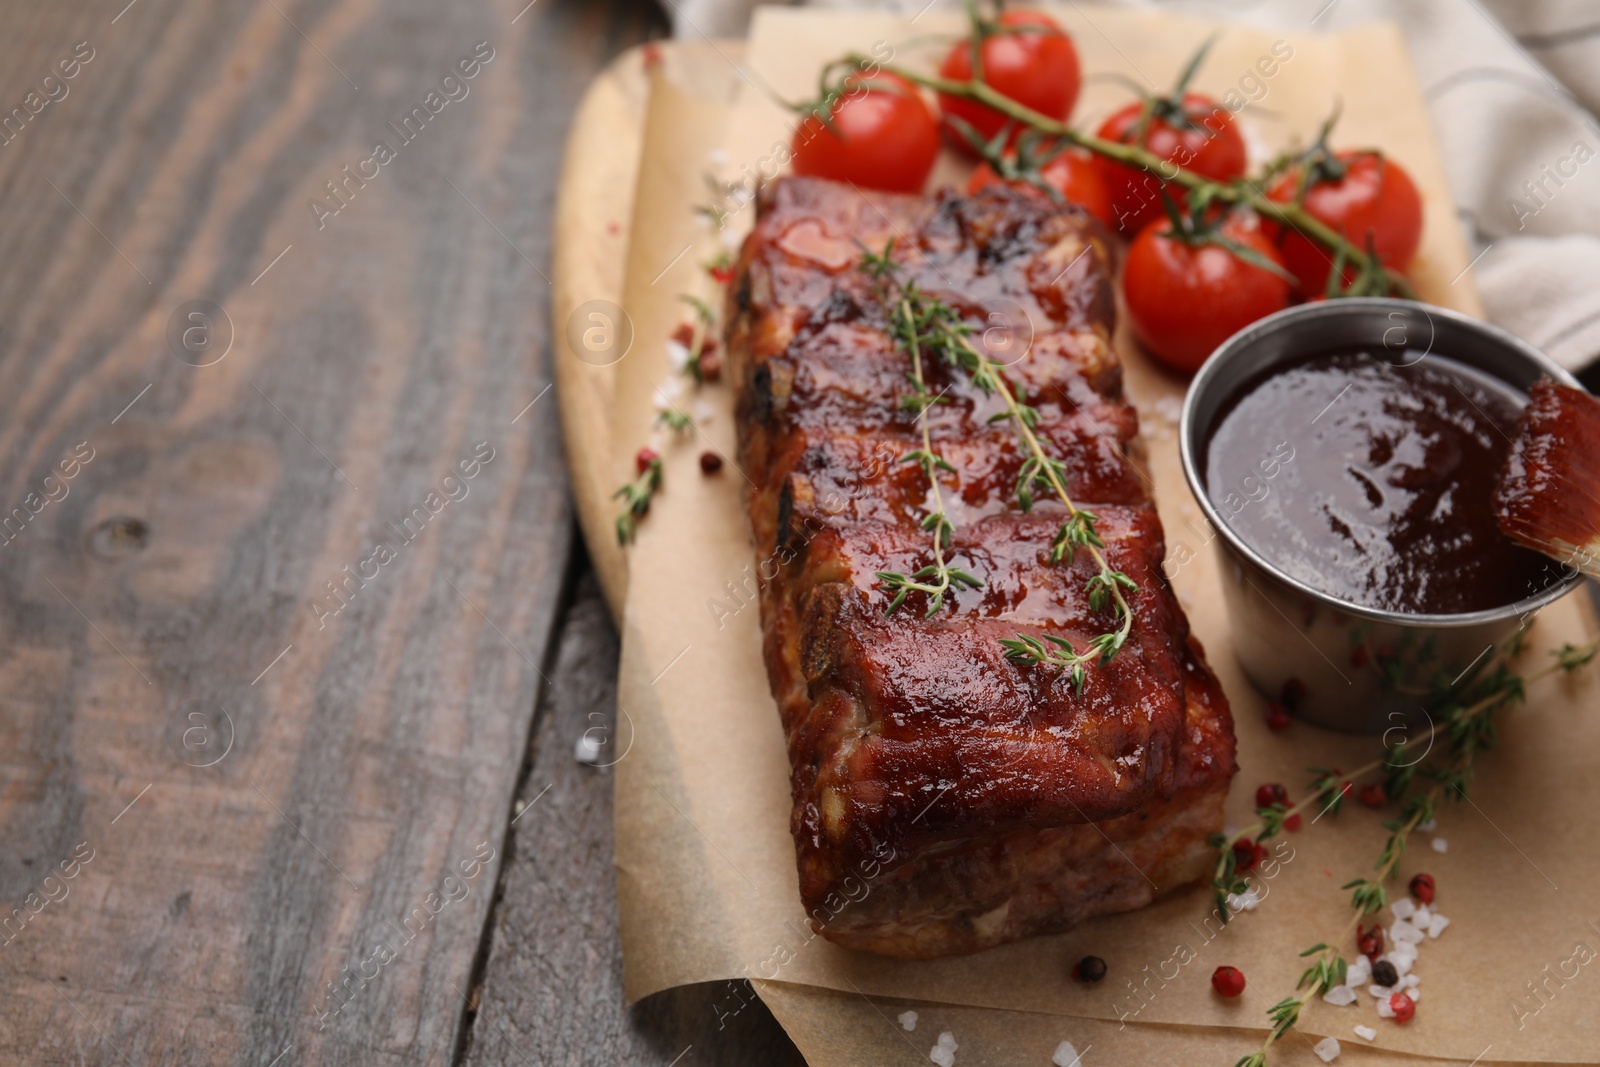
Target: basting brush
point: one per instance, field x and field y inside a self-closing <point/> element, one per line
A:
<point x="1548" y="497"/>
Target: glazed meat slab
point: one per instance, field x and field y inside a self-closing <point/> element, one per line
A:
<point x="946" y="798"/>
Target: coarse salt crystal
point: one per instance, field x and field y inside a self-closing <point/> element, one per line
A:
<point x="1403" y="950"/>
<point x="1429" y="826"/>
<point x="942" y="1056"/>
<point x="1359" y="972"/>
<point x="1384" y="1011"/>
<point x="1414" y="994"/>
<point x="1367" y="1032"/>
<point x="1411" y="982"/>
<point x="587" y="750"/>
<point x="1327" y="1049"/>
<point x="1404" y="931"/>
<point x="1402" y="963"/>
<point x="1382" y="993"/>
<point x="1436" y="926"/>
<point x="703" y="411"/>
<point x="1421" y="917"/>
<point x="1340" y="995"/>
<point x="1403" y="908"/>
<point x="948" y="1040"/>
<point x="1245" y="901"/>
<point x="908" y="1020"/>
<point x="1440" y="844"/>
<point x="1066" y="1055"/>
<point x="677" y="354"/>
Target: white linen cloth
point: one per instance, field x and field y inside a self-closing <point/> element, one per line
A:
<point x="1513" y="87"/>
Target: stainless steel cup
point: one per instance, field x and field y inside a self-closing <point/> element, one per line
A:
<point x="1363" y="668"/>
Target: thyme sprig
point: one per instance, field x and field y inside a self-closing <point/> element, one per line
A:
<point x="635" y="497"/>
<point x="906" y="324"/>
<point x="705" y="321"/>
<point x="926" y="325"/>
<point x="675" y="420"/>
<point x="1462" y="718"/>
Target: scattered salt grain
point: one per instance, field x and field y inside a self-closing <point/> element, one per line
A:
<point x="1065" y="1056"/>
<point x="1340" y="995"/>
<point x="1327" y="1050"/>
<point x="908" y="1020"/>
<point x="677" y="354"/>
<point x="1367" y="1032"/>
<point x="1411" y="982"/>
<point x="1402" y="962"/>
<point x="1436" y="926"/>
<point x="944" y="1053"/>
<point x="1403" y="908"/>
<point x="1428" y="827"/>
<point x="1420" y="917"/>
<point x="1404" y="931"/>
<point x="1382" y="993"/>
<point x="1245" y="901"/>
<point x="948" y="1040"/>
<point x="703" y="411"/>
<point x="1359" y="972"/>
<point x="1414" y="994"/>
<point x="587" y="750"/>
<point x="1440" y="844"/>
<point x="1384" y="1011"/>
<point x="718" y="156"/>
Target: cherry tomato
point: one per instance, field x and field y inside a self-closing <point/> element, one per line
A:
<point x="1073" y="174"/>
<point x="1036" y="65"/>
<point x="1210" y="145"/>
<point x="1370" y="197"/>
<point x="887" y="136"/>
<point x="1184" y="300"/>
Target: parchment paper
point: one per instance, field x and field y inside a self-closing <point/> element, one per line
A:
<point x="705" y="864"/>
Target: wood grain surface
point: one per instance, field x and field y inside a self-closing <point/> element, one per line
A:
<point x="552" y="986"/>
<point x="285" y="525"/>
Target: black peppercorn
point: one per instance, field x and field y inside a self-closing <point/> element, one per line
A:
<point x="1089" y="969"/>
<point x="1384" y="974"/>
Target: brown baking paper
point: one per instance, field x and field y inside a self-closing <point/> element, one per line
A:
<point x="705" y="864"/>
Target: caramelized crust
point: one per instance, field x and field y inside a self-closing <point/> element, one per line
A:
<point x="981" y="799"/>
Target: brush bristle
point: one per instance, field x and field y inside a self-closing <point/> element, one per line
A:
<point x="1548" y="498"/>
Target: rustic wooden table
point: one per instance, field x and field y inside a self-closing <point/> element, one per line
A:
<point x="296" y="638"/>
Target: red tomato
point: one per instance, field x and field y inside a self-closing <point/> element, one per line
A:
<point x="1073" y="174"/>
<point x="1212" y="147"/>
<point x="1185" y="300"/>
<point x="1037" y="68"/>
<point x="887" y="139"/>
<point x="1373" y="198"/>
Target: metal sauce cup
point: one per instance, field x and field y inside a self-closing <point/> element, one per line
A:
<point x="1285" y="629"/>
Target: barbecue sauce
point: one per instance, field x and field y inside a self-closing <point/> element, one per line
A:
<point x="1386" y="499"/>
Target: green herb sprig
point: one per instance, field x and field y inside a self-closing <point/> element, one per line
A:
<point x="923" y="324"/>
<point x="1463" y="720"/>
<point x="905" y="326"/>
<point x="635" y="497"/>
